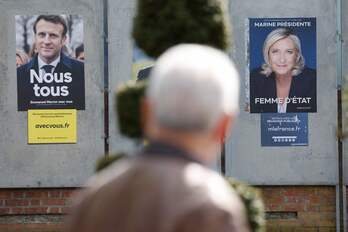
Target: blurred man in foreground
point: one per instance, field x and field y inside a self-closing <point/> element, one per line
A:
<point x="190" y="104"/>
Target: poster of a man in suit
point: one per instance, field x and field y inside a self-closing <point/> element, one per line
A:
<point x="52" y="78"/>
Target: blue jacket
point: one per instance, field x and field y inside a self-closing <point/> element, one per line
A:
<point x="66" y="93"/>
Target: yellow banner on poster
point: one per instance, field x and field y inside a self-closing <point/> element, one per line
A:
<point x="52" y="126"/>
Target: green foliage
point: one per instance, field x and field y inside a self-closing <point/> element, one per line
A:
<point x="128" y="101"/>
<point x="105" y="161"/>
<point x="253" y="204"/>
<point x="159" y="25"/>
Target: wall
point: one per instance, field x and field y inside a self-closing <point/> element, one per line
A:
<point x="300" y="208"/>
<point x="310" y="165"/>
<point x="120" y="64"/>
<point x="62" y="165"/>
<point x="315" y="164"/>
<point x="34" y="209"/>
<point x="344" y="80"/>
<point x="289" y="208"/>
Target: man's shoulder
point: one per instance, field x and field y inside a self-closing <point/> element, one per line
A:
<point x="26" y="67"/>
<point x="210" y="184"/>
<point x="71" y="62"/>
<point x="22" y="68"/>
<point x="107" y="175"/>
<point x="196" y="180"/>
<point x="77" y="62"/>
<point x="122" y="169"/>
<point x="186" y="188"/>
<point x="191" y="185"/>
<point x="192" y="178"/>
<point x="164" y="171"/>
<point x="211" y="200"/>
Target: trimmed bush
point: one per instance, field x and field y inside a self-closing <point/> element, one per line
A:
<point x="159" y="25"/>
<point x="253" y="203"/>
<point x="128" y="101"/>
<point x="105" y="161"/>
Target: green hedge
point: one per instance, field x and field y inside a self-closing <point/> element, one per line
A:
<point x="128" y="101"/>
<point x="253" y="203"/>
<point x="159" y="25"/>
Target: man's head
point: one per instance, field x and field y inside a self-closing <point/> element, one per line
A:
<point x="50" y="36"/>
<point x="193" y="89"/>
<point x="80" y="53"/>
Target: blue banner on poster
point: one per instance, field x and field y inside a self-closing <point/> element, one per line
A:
<point x="289" y="129"/>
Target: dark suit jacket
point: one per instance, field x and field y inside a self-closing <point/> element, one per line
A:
<point x="74" y="100"/>
<point x="161" y="190"/>
<point x="303" y="92"/>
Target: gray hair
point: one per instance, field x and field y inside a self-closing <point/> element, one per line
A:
<point x="273" y="37"/>
<point x="192" y="86"/>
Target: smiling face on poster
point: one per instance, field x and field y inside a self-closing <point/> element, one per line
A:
<point x="52" y="78"/>
<point x="282" y="65"/>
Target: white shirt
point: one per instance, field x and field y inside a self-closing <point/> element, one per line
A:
<point x="282" y="107"/>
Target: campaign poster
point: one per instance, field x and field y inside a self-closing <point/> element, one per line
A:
<point x="52" y="126"/>
<point x="284" y="129"/>
<point x="50" y="62"/>
<point x="282" y="65"/>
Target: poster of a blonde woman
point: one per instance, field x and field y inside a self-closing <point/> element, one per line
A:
<point x="283" y="83"/>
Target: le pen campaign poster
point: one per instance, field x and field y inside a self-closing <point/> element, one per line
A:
<point x="289" y="129"/>
<point x="49" y="60"/>
<point x="282" y="65"/>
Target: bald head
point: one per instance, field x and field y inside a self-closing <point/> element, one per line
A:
<point x="192" y="87"/>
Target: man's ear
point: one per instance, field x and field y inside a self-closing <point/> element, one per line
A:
<point x="145" y="115"/>
<point x="64" y="39"/>
<point x="223" y="127"/>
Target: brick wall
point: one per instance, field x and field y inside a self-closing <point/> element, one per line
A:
<point x="300" y="208"/>
<point x="33" y="209"/>
<point x="296" y="208"/>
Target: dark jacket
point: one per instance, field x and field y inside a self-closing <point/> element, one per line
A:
<point x="162" y="190"/>
<point x="302" y="95"/>
<point x="74" y="99"/>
